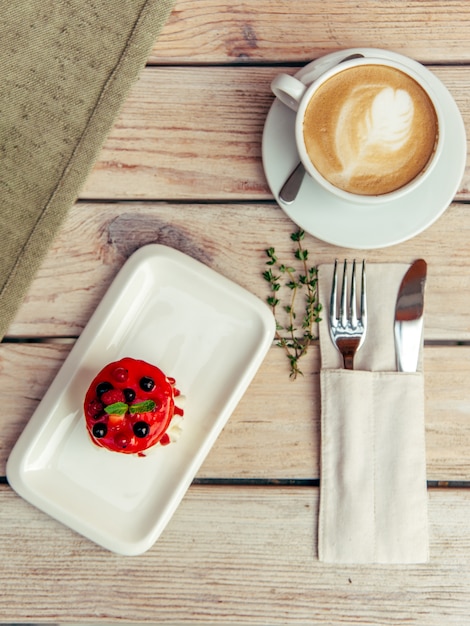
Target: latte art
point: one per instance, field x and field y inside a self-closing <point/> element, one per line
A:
<point x="370" y="129"/>
<point x="367" y="131"/>
<point x="389" y="119"/>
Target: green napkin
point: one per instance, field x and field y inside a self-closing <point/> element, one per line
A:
<point x="65" y="69"/>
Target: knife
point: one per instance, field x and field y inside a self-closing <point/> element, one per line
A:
<point x="409" y="317"/>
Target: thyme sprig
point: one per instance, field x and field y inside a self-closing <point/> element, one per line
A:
<point x="297" y="337"/>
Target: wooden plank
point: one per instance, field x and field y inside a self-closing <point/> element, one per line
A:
<point x="26" y="371"/>
<point x="97" y="238"/>
<point x="230" y="555"/>
<point x="274" y="433"/>
<point x="193" y="135"/>
<point x="268" y="30"/>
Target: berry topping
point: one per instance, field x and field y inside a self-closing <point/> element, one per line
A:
<point x="95" y="408"/>
<point x="120" y="374"/>
<point x="129" y="395"/>
<point x="100" y="430"/>
<point x="141" y="429"/>
<point x="112" y="396"/>
<point x="102" y="388"/>
<point x="146" y="383"/>
<point x="129" y="406"/>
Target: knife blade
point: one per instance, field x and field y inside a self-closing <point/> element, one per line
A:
<point x="409" y="317"/>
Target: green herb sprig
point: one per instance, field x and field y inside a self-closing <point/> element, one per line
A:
<point x="297" y="282"/>
<point x="121" y="408"/>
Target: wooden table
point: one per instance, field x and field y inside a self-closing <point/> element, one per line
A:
<point x="182" y="167"/>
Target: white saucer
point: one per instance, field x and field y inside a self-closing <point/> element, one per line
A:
<point x="352" y="225"/>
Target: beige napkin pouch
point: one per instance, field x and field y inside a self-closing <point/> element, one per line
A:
<point x="373" y="495"/>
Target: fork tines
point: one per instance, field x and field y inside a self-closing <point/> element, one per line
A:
<point x="345" y="310"/>
<point x="348" y="329"/>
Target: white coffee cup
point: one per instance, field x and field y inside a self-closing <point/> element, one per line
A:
<point x="378" y="144"/>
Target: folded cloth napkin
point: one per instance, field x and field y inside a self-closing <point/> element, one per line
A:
<point x="373" y="492"/>
<point x="66" y="67"/>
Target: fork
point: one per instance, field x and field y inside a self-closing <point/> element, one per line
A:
<point x="348" y="330"/>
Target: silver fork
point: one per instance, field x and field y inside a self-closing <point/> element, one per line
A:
<point x="348" y="330"/>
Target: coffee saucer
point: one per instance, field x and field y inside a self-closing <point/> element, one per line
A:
<point x="352" y="225"/>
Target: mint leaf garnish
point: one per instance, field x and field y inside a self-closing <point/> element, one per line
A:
<point x="121" y="408"/>
<point x="118" y="408"/>
<point x="142" y="407"/>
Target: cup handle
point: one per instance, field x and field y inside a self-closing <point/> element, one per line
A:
<point x="288" y="90"/>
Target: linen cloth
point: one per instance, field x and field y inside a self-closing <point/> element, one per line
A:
<point x="66" y="67"/>
<point x="373" y="492"/>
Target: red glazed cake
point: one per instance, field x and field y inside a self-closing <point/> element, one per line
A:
<point x="129" y="406"/>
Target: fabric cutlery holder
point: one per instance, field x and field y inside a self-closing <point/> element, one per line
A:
<point x="373" y="493"/>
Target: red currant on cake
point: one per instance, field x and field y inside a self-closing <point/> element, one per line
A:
<point x="129" y="406"/>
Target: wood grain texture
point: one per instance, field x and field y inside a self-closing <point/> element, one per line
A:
<point x="274" y="433"/>
<point x="230" y="555"/>
<point x="210" y="31"/>
<point x="231" y="238"/>
<point x="182" y="167"/>
<point x="210" y="148"/>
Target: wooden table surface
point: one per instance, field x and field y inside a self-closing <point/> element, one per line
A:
<point x="182" y="167"/>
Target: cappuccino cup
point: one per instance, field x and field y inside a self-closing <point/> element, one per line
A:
<point x="368" y="130"/>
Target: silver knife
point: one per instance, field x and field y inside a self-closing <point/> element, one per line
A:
<point x="409" y="317"/>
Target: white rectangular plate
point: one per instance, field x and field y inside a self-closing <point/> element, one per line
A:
<point x="197" y="326"/>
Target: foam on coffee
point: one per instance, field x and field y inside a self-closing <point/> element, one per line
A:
<point x="370" y="129"/>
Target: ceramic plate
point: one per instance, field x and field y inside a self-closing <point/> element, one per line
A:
<point x="351" y="225"/>
<point x="197" y="326"/>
